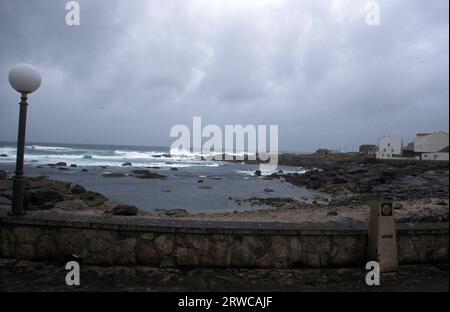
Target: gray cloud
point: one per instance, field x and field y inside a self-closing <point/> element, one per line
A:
<point x="133" y="69"/>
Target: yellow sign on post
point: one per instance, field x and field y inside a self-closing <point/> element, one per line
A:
<point x="382" y="240"/>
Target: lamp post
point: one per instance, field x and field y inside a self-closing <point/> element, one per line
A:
<point x="25" y="79"/>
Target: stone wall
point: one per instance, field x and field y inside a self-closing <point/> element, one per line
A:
<point x="170" y="243"/>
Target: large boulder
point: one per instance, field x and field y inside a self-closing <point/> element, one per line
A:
<point x="77" y="189"/>
<point x="42" y="196"/>
<point x="124" y="210"/>
<point x="147" y="174"/>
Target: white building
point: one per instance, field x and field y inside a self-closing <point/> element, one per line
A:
<point x="431" y="146"/>
<point x="389" y="147"/>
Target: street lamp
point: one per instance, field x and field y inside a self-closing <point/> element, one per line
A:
<point x="25" y="79"/>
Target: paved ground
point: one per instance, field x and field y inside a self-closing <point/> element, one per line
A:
<point x="42" y="276"/>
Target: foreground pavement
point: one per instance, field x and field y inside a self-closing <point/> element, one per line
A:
<point x="43" y="276"/>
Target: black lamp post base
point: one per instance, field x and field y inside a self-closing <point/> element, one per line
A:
<point x="18" y="179"/>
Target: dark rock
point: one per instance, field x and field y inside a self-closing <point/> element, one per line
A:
<point x="73" y="165"/>
<point x="357" y="170"/>
<point x="200" y="181"/>
<point x="268" y="190"/>
<point x="147" y="174"/>
<point x="3" y="155"/>
<point x="398" y="206"/>
<point x="127" y="163"/>
<point x="93" y="198"/>
<point x="61" y="164"/>
<point x="271" y="201"/>
<point x="174" y="168"/>
<point x="332" y="213"/>
<point x="77" y="189"/>
<point x="258" y="173"/>
<point x="84" y="170"/>
<point x="124" y="210"/>
<point x="314" y="177"/>
<point x="42" y="196"/>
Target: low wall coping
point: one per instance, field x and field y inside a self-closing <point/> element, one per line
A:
<point x="141" y="224"/>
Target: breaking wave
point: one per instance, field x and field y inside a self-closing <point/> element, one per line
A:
<point x="103" y="156"/>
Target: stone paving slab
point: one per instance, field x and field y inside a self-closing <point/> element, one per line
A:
<point x="43" y="276"/>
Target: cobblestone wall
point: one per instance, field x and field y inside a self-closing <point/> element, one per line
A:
<point x="165" y="243"/>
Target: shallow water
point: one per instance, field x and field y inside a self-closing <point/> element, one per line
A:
<point x="181" y="189"/>
<point x="222" y="180"/>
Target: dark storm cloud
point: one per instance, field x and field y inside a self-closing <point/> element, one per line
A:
<point x="133" y="69"/>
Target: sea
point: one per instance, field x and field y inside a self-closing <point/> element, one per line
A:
<point x="196" y="185"/>
<point x="100" y="155"/>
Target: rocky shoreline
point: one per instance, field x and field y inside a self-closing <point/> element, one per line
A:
<point x="420" y="191"/>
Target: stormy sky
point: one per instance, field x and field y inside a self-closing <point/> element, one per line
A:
<point x="133" y="69"/>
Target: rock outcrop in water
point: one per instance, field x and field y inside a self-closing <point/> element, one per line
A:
<point x="146" y="174"/>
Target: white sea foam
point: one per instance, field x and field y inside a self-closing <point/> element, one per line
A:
<point x="39" y="154"/>
<point x="7" y="151"/>
<point x="48" y="148"/>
